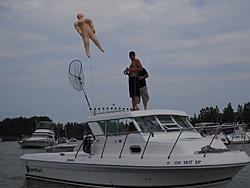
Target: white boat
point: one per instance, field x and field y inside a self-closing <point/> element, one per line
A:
<point x="238" y="138"/>
<point x="61" y="145"/>
<point x="211" y="130"/>
<point x="163" y="150"/>
<point x="67" y="147"/>
<point x="237" y="133"/>
<point x="42" y="137"/>
<point x="72" y="140"/>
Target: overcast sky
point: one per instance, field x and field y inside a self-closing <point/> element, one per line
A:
<point x="197" y="54"/>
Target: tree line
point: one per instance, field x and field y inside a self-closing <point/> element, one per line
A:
<point x="13" y="129"/>
<point x="227" y="115"/>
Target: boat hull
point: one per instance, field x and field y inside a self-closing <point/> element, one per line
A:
<point x="36" y="143"/>
<point x="61" y="148"/>
<point x="70" y="170"/>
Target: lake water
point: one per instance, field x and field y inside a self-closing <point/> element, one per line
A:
<point x="12" y="171"/>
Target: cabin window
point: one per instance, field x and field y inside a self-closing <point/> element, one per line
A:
<point x="183" y="122"/>
<point x="174" y="123"/>
<point x="168" y="122"/>
<point x="147" y="123"/>
<point x="115" y="127"/>
<point x="165" y="119"/>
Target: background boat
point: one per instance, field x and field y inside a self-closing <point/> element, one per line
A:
<point x="62" y="145"/>
<point x="42" y="137"/>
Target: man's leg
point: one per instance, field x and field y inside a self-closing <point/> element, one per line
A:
<point x="135" y="101"/>
<point x="145" y="104"/>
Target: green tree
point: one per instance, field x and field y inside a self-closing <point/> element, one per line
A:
<point x="239" y="114"/>
<point x="246" y="113"/>
<point x="194" y="120"/>
<point x="228" y="115"/>
<point x="209" y="114"/>
<point x="12" y="129"/>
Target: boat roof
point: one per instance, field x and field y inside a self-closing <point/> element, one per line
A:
<point x="43" y="131"/>
<point x="203" y="124"/>
<point x="45" y="125"/>
<point x="132" y="114"/>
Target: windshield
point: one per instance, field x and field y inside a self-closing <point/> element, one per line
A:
<point x="147" y="123"/>
<point x="173" y="123"/>
<point x="183" y="122"/>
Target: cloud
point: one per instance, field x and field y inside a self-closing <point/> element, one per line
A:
<point x="196" y="52"/>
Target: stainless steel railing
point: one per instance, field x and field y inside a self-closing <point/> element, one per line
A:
<point x="216" y="131"/>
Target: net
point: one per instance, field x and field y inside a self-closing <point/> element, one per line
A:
<point x="75" y="74"/>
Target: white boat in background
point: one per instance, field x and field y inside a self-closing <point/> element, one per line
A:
<point x="148" y="148"/>
<point x="61" y="145"/>
<point x="237" y="134"/>
<point x="42" y="137"/>
<point x="67" y="147"/>
<point x="72" y="140"/>
<point x="211" y="130"/>
<point x="238" y="138"/>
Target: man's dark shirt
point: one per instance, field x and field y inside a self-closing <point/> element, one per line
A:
<point x="142" y="82"/>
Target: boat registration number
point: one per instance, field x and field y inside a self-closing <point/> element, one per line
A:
<point x="187" y="162"/>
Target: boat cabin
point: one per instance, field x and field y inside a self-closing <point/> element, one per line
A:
<point x="139" y="121"/>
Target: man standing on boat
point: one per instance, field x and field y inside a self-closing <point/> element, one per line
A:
<point x="132" y="71"/>
<point x="143" y="87"/>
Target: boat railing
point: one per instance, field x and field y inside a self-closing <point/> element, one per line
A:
<point x="149" y="136"/>
<point x="244" y="126"/>
<point x="179" y="135"/>
<point x="215" y="135"/>
<point x="217" y="130"/>
<point x="109" y="110"/>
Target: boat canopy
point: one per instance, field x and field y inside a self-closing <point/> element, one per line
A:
<point x="139" y="121"/>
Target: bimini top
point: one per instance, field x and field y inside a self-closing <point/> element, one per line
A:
<point x="131" y="114"/>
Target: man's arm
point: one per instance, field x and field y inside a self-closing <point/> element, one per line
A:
<point x="146" y="75"/>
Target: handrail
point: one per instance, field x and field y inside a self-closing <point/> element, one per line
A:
<point x="151" y="134"/>
<point x="175" y="143"/>
<point x="104" y="145"/>
<point x="215" y="135"/>
<point x="79" y="148"/>
<point x="232" y="139"/>
<point x="123" y="145"/>
<point x="245" y="134"/>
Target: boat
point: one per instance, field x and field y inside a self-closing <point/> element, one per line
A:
<point x="1" y="139"/>
<point x="211" y="130"/>
<point x="61" y="145"/>
<point x="236" y="133"/>
<point x="72" y="139"/>
<point x="147" y="148"/>
<point x="238" y="138"/>
<point x="42" y="137"/>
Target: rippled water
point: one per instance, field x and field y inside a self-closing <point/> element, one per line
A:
<point x="12" y="171"/>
